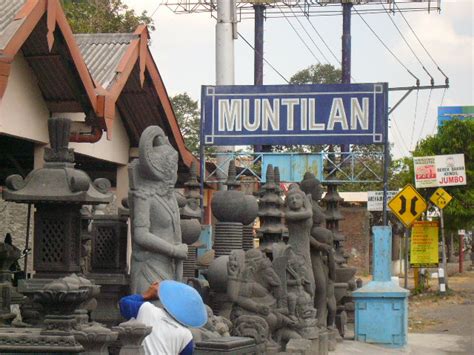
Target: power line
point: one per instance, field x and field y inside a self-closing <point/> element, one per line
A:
<point x="426" y="113"/>
<point x="386" y="47"/>
<point x="441" y="104"/>
<point x="311" y="38"/>
<point x="414" y="118"/>
<point x="402" y="140"/>
<point x="421" y="43"/>
<point x="266" y="61"/>
<point x="408" y="44"/>
<point x="299" y="36"/>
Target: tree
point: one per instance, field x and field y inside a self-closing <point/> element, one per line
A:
<point x="454" y="137"/>
<point x="317" y="74"/>
<point x="103" y="16"/>
<point x="189" y="117"/>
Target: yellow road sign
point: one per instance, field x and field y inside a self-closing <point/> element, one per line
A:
<point x="407" y="205"/>
<point x="441" y="198"/>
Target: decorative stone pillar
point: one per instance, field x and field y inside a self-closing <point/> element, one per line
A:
<point x="130" y="338"/>
<point x="95" y="339"/>
<point x="233" y="209"/>
<point x="270" y="214"/>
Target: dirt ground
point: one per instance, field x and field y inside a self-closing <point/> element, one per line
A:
<point x="452" y="314"/>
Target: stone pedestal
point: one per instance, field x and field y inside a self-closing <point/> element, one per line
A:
<point x="323" y="341"/>
<point x="130" y="338"/>
<point x="226" y="345"/>
<point x="228" y="237"/>
<point x="381" y="306"/>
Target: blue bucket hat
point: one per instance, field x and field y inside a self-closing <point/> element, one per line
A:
<point x="183" y="303"/>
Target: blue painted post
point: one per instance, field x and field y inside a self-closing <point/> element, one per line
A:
<point x="381" y="306"/>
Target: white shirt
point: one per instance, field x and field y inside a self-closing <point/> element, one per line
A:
<point x="167" y="337"/>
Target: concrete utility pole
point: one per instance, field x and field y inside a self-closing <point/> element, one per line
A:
<point x="225" y="73"/>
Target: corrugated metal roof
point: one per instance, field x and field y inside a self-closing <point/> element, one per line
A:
<point x="102" y="53"/>
<point x="8" y="10"/>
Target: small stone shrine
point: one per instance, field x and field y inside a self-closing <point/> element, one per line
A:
<point x="270" y="213"/>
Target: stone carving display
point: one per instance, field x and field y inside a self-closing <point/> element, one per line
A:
<point x="215" y="327"/>
<point x="57" y="190"/>
<point x="258" y="302"/>
<point x="322" y="257"/>
<point x="270" y="213"/>
<point x="298" y="216"/>
<point x="157" y="248"/>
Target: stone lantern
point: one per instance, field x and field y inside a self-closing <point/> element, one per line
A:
<point x="58" y="191"/>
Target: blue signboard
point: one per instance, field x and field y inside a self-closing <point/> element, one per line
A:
<point x="294" y="114"/>
<point x="446" y="113"/>
<point x="293" y="166"/>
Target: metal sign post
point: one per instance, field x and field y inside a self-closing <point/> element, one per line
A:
<point x="443" y="242"/>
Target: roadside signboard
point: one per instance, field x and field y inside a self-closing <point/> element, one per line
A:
<point x="294" y="114"/>
<point x="447" y="113"/>
<point x="424" y="244"/>
<point x="375" y="200"/>
<point x="407" y="205"/>
<point x="439" y="170"/>
<point x="441" y="198"/>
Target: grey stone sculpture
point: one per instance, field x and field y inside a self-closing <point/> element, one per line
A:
<point x="157" y="248"/>
<point x="298" y="216"/>
<point x="322" y="254"/>
<point x="257" y="312"/>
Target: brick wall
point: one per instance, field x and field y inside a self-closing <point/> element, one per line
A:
<point x="355" y="227"/>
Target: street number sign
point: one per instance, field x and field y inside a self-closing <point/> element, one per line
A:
<point x="408" y="205"/>
<point x="441" y="198"/>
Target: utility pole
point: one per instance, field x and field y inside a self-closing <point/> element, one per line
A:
<point x="258" y="53"/>
<point x="346" y="42"/>
<point x="225" y="73"/>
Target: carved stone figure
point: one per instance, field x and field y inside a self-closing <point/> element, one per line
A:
<point x="254" y="287"/>
<point x="322" y="254"/>
<point x="298" y="216"/>
<point x="215" y="327"/>
<point x="157" y="249"/>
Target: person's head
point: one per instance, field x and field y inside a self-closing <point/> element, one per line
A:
<point x="183" y="303"/>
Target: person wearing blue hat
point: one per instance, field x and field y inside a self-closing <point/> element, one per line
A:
<point x="182" y="308"/>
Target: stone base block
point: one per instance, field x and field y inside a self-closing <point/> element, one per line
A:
<point x="332" y="339"/>
<point x="226" y="345"/>
<point x="323" y="342"/>
<point x="300" y="347"/>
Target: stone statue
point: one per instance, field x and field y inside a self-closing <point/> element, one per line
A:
<point x="322" y="253"/>
<point x="215" y="327"/>
<point x="298" y="216"/>
<point x="157" y="248"/>
<point x="254" y="286"/>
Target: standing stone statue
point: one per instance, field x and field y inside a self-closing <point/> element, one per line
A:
<point x="298" y="216"/>
<point x="157" y="248"/>
<point x="322" y="253"/>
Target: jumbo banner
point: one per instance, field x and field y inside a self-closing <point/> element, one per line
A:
<point x="440" y="170"/>
<point x="294" y="114"/>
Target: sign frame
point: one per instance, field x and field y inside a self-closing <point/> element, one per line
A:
<point x="294" y="114"/>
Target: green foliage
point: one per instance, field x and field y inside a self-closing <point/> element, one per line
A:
<point x="188" y="115"/>
<point x="454" y="137"/>
<point x="103" y="16"/>
<point x="317" y="74"/>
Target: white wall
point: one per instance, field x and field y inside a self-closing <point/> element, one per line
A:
<point x="23" y="114"/>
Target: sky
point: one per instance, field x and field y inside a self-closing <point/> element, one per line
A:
<point x="183" y="46"/>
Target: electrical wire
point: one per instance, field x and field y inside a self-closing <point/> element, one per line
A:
<point x="299" y="36"/>
<point x="426" y="113"/>
<point x="441" y="104"/>
<point x="386" y="47"/>
<point x="402" y="139"/>
<point x="422" y="45"/>
<point x="408" y="44"/>
<point x="266" y="61"/>
<point x="311" y="38"/>
<point x="414" y="118"/>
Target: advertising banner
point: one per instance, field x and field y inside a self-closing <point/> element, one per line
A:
<point x="440" y="170"/>
<point x="294" y="114"/>
<point x="375" y="200"/>
<point x="447" y="113"/>
<point x="424" y="244"/>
